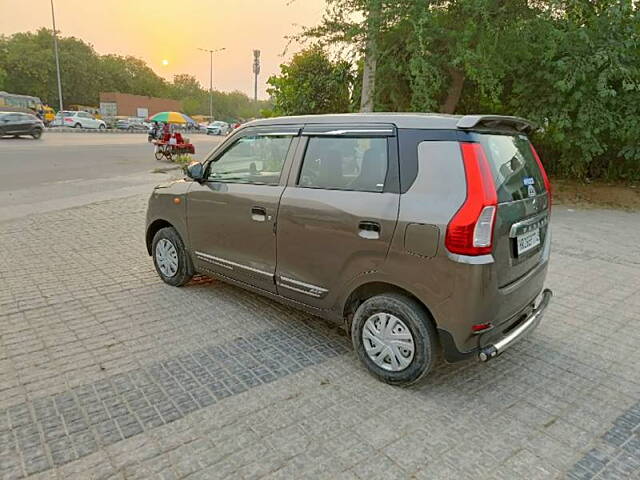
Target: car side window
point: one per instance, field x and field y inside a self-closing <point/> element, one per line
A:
<point x="256" y="159"/>
<point x="349" y="163"/>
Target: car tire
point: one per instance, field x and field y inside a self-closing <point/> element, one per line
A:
<point x="77" y="125"/>
<point x="170" y="257"/>
<point x="101" y="127"/>
<point x="410" y="327"/>
<point x="36" y="133"/>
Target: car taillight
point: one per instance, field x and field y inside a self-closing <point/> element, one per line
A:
<point x="470" y="231"/>
<point x="547" y="183"/>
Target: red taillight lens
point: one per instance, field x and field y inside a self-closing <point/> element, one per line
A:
<point x="547" y="183"/>
<point x="470" y="231"/>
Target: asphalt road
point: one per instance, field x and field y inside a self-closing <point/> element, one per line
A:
<point x="63" y="170"/>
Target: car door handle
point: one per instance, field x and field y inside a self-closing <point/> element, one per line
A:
<point x="369" y="230"/>
<point x="258" y="214"/>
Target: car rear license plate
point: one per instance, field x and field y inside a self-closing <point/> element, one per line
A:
<point x="528" y="241"/>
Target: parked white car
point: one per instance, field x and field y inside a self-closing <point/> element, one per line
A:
<point x="68" y="118"/>
<point x="218" y="128"/>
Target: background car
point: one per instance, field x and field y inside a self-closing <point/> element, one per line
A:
<point x="132" y="124"/>
<point x="16" y="124"/>
<point x="68" y="118"/>
<point x="218" y="128"/>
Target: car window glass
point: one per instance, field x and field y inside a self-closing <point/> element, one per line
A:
<point x="515" y="170"/>
<point x="252" y="159"/>
<point x="358" y="164"/>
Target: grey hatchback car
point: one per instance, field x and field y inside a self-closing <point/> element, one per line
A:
<point x="416" y="232"/>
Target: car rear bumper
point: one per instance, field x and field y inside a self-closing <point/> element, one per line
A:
<point x="500" y="336"/>
<point x="521" y="330"/>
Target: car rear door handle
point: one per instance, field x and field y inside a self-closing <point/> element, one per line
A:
<point x="369" y="230"/>
<point x="258" y="214"/>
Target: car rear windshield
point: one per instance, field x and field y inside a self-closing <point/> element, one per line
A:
<point x="515" y="170"/>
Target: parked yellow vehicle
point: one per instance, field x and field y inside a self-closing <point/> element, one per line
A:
<point x="27" y="103"/>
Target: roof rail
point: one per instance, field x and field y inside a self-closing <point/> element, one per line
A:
<point x="473" y="121"/>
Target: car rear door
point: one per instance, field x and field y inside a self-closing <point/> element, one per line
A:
<point x="522" y="218"/>
<point x="339" y="210"/>
<point x="89" y="121"/>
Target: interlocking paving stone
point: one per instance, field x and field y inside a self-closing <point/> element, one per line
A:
<point x="624" y="438"/>
<point x="91" y="342"/>
<point x="79" y="422"/>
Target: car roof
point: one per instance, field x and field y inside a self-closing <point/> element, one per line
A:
<point x="401" y="120"/>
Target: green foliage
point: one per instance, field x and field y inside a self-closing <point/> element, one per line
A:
<point x="130" y="75"/>
<point x="27" y="66"/>
<point x="3" y="78"/>
<point x="182" y="159"/>
<point x="311" y="83"/>
<point x="572" y="66"/>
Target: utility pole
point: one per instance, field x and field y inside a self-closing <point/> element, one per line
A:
<point x="211" y="52"/>
<point x="256" y="72"/>
<point x="55" y="48"/>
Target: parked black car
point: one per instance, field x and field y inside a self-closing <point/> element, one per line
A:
<point x="16" y="124"/>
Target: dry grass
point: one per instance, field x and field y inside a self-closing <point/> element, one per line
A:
<point x="596" y="194"/>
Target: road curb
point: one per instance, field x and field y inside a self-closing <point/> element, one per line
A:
<point x="105" y="131"/>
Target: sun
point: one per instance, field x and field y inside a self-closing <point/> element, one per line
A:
<point x="165" y="62"/>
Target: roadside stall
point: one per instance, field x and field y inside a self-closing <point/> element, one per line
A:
<point x="171" y="143"/>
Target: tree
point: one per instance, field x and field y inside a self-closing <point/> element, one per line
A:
<point x="356" y="26"/>
<point x="569" y="65"/>
<point x="28" y="61"/>
<point x="130" y="75"/>
<point x="370" y="56"/>
<point x="3" y="78"/>
<point x="311" y="83"/>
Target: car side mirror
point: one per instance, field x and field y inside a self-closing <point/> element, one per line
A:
<point x="195" y="170"/>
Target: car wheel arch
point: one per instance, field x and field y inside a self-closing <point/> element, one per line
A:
<point x="370" y="289"/>
<point x="153" y="228"/>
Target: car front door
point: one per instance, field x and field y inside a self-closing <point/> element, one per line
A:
<point x="231" y="215"/>
<point x="25" y="123"/>
<point x="339" y="210"/>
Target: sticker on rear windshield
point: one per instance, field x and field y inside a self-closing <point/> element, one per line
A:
<point x="528" y="180"/>
<point x="532" y="191"/>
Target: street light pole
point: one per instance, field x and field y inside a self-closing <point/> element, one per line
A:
<point x="211" y="52"/>
<point x="55" y="48"/>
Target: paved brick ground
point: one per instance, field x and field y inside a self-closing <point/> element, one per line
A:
<point x="105" y="372"/>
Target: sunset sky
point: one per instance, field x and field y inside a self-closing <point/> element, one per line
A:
<point x="157" y="30"/>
